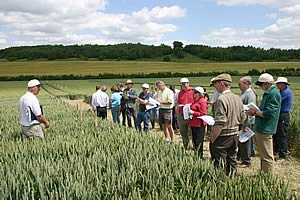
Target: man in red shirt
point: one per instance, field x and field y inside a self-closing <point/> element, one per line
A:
<point x="185" y="96"/>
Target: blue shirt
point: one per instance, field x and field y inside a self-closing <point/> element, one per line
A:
<point x="286" y="100"/>
<point x="115" y="99"/>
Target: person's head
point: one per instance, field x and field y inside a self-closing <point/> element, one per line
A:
<point x="172" y="87"/>
<point x="34" y="86"/>
<point x="185" y="83"/>
<point x="160" y="85"/>
<point x="222" y="82"/>
<point x="245" y="83"/>
<point x="98" y="87"/>
<point x="129" y="83"/>
<point x="198" y="92"/>
<point x="120" y="86"/>
<point x="145" y="87"/>
<point x="153" y="89"/>
<point x="103" y="88"/>
<point x="114" y="89"/>
<point x="265" y="81"/>
<point x="281" y="83"/>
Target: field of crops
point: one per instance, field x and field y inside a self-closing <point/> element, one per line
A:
<point x="116" y="67"/>
<point x="82" y="159"/>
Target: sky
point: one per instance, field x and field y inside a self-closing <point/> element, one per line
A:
<point x="259" y="23"/>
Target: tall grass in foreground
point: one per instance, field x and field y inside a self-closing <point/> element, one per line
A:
<point x="80" y="161"/>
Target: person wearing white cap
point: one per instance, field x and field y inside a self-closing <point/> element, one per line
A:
<point x="280" y="139"/>
<point x="198" y="108"/>
<point x="185" y="96"/>
<point x="30" y="112"/>
<point x="266" y="120"/>
<point x="143" y="114"/>
<point x="130" y="96"/>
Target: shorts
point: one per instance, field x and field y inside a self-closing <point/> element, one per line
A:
<point x="32" y="132"/>
<point x="165" y="116"/>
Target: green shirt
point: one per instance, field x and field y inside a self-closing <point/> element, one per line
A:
<point x="270" y="106"/>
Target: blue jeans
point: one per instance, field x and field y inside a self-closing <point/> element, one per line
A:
<point x="143" y="117"/>
<point x="115" y="112"/>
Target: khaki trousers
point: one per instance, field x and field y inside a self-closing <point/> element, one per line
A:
<point x="32" y="132"/>
<point x="184" y="130"/>
<point x="265" y="150"/>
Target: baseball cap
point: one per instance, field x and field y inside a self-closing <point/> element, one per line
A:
<point x="129" y="82"/>
<point x="264" y="78"/>
<point x="199" y="89"/>
<point x="282" y="80"/>
<point x="145" y="85"/>
<point x="33" y="82"/>
<point x="222" y="77"/>
<point x="184" y="80"/>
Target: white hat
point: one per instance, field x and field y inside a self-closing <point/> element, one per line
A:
<point x="282" y="80"/>
<point x="184" y="80"/>
<point x="33" y="82"/>
<point x="264" y="78"/>
<point x="145" y="85"/>
<point x="199" y="89"/>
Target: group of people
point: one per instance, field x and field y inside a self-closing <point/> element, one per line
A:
<point x="270" y="122"/>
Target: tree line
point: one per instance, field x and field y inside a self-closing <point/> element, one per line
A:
<point x="252" y="72"/>
<point x="129" y="51"/>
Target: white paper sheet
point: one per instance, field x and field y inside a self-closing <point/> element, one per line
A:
<point x="208" y="119"/>
<point x="252" y="106"/>
<point x="152" y="104"/>
<point x="245" y="136"/>
<point x="186" y="110"/>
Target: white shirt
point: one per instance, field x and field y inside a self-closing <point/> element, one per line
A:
<point x="100" y="98"/>
<point x="29" y="103"/>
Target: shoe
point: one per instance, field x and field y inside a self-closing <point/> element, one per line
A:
<point x="168" y="141"/>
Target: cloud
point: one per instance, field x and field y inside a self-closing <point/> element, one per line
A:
<point x="284" y="32"/>
<point x="80" y="22"/>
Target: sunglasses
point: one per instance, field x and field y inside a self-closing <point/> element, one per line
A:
<point x="183" y="83"/>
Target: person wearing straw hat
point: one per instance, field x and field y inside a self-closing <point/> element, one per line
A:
<point x="266" y="120"/>
<point x="198" y="108"/>
<point x="143" y="114"/>
<point x="228" y="112"/>
<point x="130" y="96"/>
<point x="281" y="137"/>
<point x="31" y="113"/>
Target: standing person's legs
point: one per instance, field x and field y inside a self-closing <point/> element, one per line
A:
<point x="139" y="121"/>
<point x="282" y="135"/>
<point x="198" y="139"/>
<point x="102" y="112"/>
<point x="218" y="152"/>
<point x="146" y="120"/>
<point x="231" y="154"/>
<point x="118" y="114"/>
<point x="183" y="127"/>
<point x="32" y="132"/>
<point x="114" y="113"/>
<point x="245" y="152"/>
<point x="123" y="112"/>
<point x="134" y="115"/>
<point x="152" y="118"/>
<point x="128" y="116"/>
<point x="265" y="150"/>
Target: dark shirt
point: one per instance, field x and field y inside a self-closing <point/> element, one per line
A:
<point x="129" y="97"/>
<point x="286" y="100"/>
<point x="142" y="107"/>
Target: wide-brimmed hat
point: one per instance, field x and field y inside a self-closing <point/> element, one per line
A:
<point x="264" y="78"/>
<point x="282" y="80"/>
<point x="129" y="82"/>
<point x="222" y="77"/>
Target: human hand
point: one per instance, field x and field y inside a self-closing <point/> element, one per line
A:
<point x="191" y="112"/>
<point x="47" y="124"/>
<point x="251" y="112"/>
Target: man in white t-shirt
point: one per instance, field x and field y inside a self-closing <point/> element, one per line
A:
<point x="30" y="112"/>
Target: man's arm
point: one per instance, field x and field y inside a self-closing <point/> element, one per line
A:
<point x="43" y="120"/>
